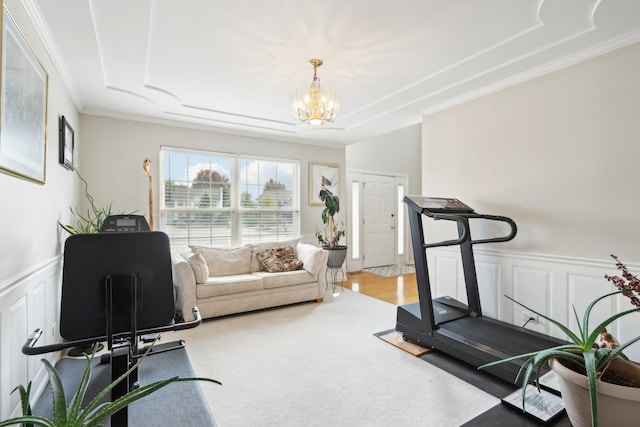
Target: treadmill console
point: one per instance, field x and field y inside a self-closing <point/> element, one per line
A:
<point x="124" y="223"/>
<point x="438" y="204"/>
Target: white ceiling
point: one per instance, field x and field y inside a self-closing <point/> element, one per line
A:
<point x="232" y="64"/>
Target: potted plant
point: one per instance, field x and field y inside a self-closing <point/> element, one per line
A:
<point x="92" y="221"/>
<point x="94" y="413"/>
<point x="592" y="364"/>
<point x="330" y="236"/>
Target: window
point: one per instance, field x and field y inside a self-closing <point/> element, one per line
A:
<point x="355" y="219"/>
<point x="400" y="221"/>
<point x="227" y="200"/>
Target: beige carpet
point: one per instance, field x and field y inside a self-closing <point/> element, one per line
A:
<point x="319" y="364"/>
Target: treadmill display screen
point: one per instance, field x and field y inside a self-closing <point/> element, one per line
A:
<point x="440" y="204"/>
<point x="125" y="222"/>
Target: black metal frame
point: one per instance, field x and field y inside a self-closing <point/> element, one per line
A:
<point x="110" y="282"/>
<point x="417" y="322"/>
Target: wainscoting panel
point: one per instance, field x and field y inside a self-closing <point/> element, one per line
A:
<point x="551" y="285"/>
<point x="18" y="324"/>
<point x="530" y="287"/>
<point x="489" y="285"/>
<point x="26" y="303"/>
<point x="448" y="275"/>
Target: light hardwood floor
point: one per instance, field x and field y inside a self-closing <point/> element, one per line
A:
<point x="397" y="290"/>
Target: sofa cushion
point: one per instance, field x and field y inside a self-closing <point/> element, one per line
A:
<point x="280" y="280"/>
<point x="229" y="285"/>
<point x="263" y="246"/>
<point x="225" y="262"/>
<point x="279" y="259"/>
<point x="199" y="266"/>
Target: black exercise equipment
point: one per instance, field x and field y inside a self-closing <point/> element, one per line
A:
<point x="124" y="223"/>
<point x="448" y="325"/>
<point x="116" y="287"/>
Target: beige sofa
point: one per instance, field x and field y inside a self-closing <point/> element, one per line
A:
<point x="228" y="281"/>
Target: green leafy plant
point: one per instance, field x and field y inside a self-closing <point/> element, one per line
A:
<point x="73" y="415"/>
<point x="332" y="232"/>
<point x="582" y="354"/>
<point x="92" y="221"/>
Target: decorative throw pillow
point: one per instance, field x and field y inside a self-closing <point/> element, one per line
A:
<point x="225" y="262"/>
<point x="256" y="265"/>
<point x="279" y="259"/>
<point x="198" y="265"/>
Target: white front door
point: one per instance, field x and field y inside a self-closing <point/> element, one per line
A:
<point x="379" y="221"/>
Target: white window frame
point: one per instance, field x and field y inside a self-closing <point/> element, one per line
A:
<point x="235" y="209"/>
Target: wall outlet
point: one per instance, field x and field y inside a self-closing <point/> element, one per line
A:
<point x="529" y="317"/>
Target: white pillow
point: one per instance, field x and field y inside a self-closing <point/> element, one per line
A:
<point x="311" y="256"/>
<point x="198" y="265"/>
<point x="225" y="262"/>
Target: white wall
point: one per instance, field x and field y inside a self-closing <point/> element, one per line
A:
<point x="31" y="248"/>
<point x="396" y="153"/>
<point x="559" y="155"/>
<point x="29" y="213"/>
<point x="114" y="150"/>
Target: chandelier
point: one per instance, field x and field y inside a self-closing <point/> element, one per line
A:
<point x="315" y="104"/>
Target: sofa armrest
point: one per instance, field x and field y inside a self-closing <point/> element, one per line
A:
<point x="314" y="260"/>
<point x="311" y="257"/>
<point x="184" y="282"/>
<point x="322" y="273"/>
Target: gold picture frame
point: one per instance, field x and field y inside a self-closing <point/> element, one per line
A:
<point x="319" y="172"/>
<point x="23" y="122"/>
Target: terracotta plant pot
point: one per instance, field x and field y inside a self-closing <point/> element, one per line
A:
<point x="618" y="406"/>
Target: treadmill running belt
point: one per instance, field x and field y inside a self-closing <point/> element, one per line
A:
<point x="495" y="335"/>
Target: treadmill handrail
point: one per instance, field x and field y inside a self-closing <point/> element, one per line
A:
<point x="466" y="233"/>
<point x="450" y="217"/>
<point x="29" y="346"/>
<point x="510" y="236"/>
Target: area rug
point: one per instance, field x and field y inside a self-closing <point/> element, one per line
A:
<point x="319" y="364"/>
<point x="499" y="414"/>
<point x="390" y="270"/>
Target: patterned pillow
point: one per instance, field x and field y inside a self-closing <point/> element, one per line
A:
<point x="279" y="259"/>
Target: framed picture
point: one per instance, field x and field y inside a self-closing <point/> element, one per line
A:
<point x="322" y="174"/>
<point x="67" y="143"/>
<point x="541" y="405"/>
<point x="23" y="122"/>
<point x="550" y="382"/>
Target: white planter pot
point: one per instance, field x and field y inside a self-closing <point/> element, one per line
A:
<point x="618" y="406"/>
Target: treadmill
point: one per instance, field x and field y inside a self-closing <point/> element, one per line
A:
<point x="448" y="325"/>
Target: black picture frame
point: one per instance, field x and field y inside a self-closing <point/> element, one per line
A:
<point x="542" y="405"/>
<point x="67" y="143"/>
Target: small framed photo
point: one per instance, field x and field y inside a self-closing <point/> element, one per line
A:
<point x="541" y="405"/>
<point x="322" y="174"/>
<point x="67" y="143"/>
<point x="550" y="382"/>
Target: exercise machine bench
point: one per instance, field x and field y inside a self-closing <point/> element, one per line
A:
<point x="117" y="287"/>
